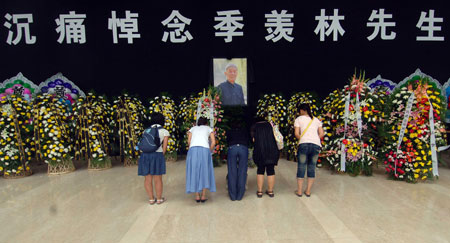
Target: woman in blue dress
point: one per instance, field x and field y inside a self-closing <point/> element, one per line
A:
<point x="199" y="165"/>
<point x="153" y="165"/>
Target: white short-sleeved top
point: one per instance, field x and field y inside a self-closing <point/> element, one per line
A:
<point x="200" y="136"/>
<point x="162" y="133"/>
<point x="311" y="135"/>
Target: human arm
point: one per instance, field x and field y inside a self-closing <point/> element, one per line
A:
<point x="164" y="146"/>
<point x="213" y="141"/>
<point x="297" y="132"/>
<point x="252" y="132"/>
<point x="321" y="132"/>
<point x="189" y="138"/>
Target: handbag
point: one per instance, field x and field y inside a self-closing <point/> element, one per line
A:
<point x="278" y="136"/>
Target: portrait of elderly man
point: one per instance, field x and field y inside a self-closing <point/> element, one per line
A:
<point x="232" y="93"/>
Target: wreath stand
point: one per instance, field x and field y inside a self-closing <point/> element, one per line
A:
<point x="99" y="165"/>
<point x="59" y="168"/>
<point x="171" y="156"/>
<point x="22" y="174"/>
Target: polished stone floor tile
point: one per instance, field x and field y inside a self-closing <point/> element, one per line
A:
<point x="111" y="206"/>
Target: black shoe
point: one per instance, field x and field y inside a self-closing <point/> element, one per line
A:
<point x="259" y="194"/>
<point x="307" y="195"/>
<point x="198" y="200"/>
<point x="270" y="193"/>
<point x="203" y="200"/>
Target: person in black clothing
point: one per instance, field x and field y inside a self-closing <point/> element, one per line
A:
<point x="265" y="155"/>
<point x="237" y="139"/>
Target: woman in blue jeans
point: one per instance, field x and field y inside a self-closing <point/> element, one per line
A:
<point x="237" y="159"/>
<point x="309" y="132"/>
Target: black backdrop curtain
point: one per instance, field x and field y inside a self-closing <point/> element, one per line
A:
<point x="149" y="66"/>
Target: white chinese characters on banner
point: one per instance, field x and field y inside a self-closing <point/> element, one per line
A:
<point x="430" y="28"/>
<point x="282" y="22"/>
<point x="177" y="34"/>
<point x="128" y="26"/>
<point x="324" y="28"/>
<point x="22" y="22"/>
<point x="380" y="24"/>
<point x="71" y="28"/>
<point x="229" y="24"/>
<point x="279" y="25"/>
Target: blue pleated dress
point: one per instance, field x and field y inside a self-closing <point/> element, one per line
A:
<point x="152" y="164"/>
<point x="199" y="170"/>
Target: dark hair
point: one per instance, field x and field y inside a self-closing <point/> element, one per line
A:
<point x="265" y="142"/>
<point x="237" y="124"/>
<point x="202" y="121"/>
<point x="260" y="119"/>
<point x="157" y="118"/>
<point x="306" y="108"/>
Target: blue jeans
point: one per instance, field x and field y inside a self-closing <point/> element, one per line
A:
<point x="237" y="171"/>
<point x="308" y="153"/>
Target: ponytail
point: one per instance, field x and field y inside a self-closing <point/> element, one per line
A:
<point x="306" y="108"/>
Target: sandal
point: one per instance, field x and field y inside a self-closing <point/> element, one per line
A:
<point x="152" y="201"/>
<point x="298" y="195"/>
<point x="271" y="194"/>
<point x="259" y="194"/>
<point x="307" y="195"/>
<point x="160" y="201"/>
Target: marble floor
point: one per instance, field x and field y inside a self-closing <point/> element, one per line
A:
<point x="111" y="206"/>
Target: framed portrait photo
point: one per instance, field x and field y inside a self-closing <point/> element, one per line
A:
<point x="230" y="77"/>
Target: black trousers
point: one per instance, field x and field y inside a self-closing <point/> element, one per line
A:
<point x="269" y="169"/>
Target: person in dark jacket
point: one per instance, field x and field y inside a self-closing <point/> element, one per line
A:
<point x="265" y="155"/>
<point x="237" y="159"/>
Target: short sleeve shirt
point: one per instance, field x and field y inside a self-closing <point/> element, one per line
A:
<point x="200" y="136"/>
<point x="311" y="135"/>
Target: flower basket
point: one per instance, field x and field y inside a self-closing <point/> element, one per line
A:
<point x="171" y="156"/>
<point x="62" y="167"/>
<point x="21" y="174"/>
<point x="52" y="136"/>
<point x="130" y="162"/>
<point x="99" y="164"/>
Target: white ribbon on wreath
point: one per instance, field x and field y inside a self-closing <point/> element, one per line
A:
<point x="359" y="123"/>
<point x="402" y="130"/>
<point x="343" y="155"/>
<point x="433" y="141"/>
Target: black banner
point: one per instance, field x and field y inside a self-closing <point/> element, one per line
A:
<point x="168" y="45"/>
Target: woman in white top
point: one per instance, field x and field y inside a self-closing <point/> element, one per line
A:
<point x="199" y="164"/>
<point x="309" y="132"/>
<point x="153" y="165"/>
